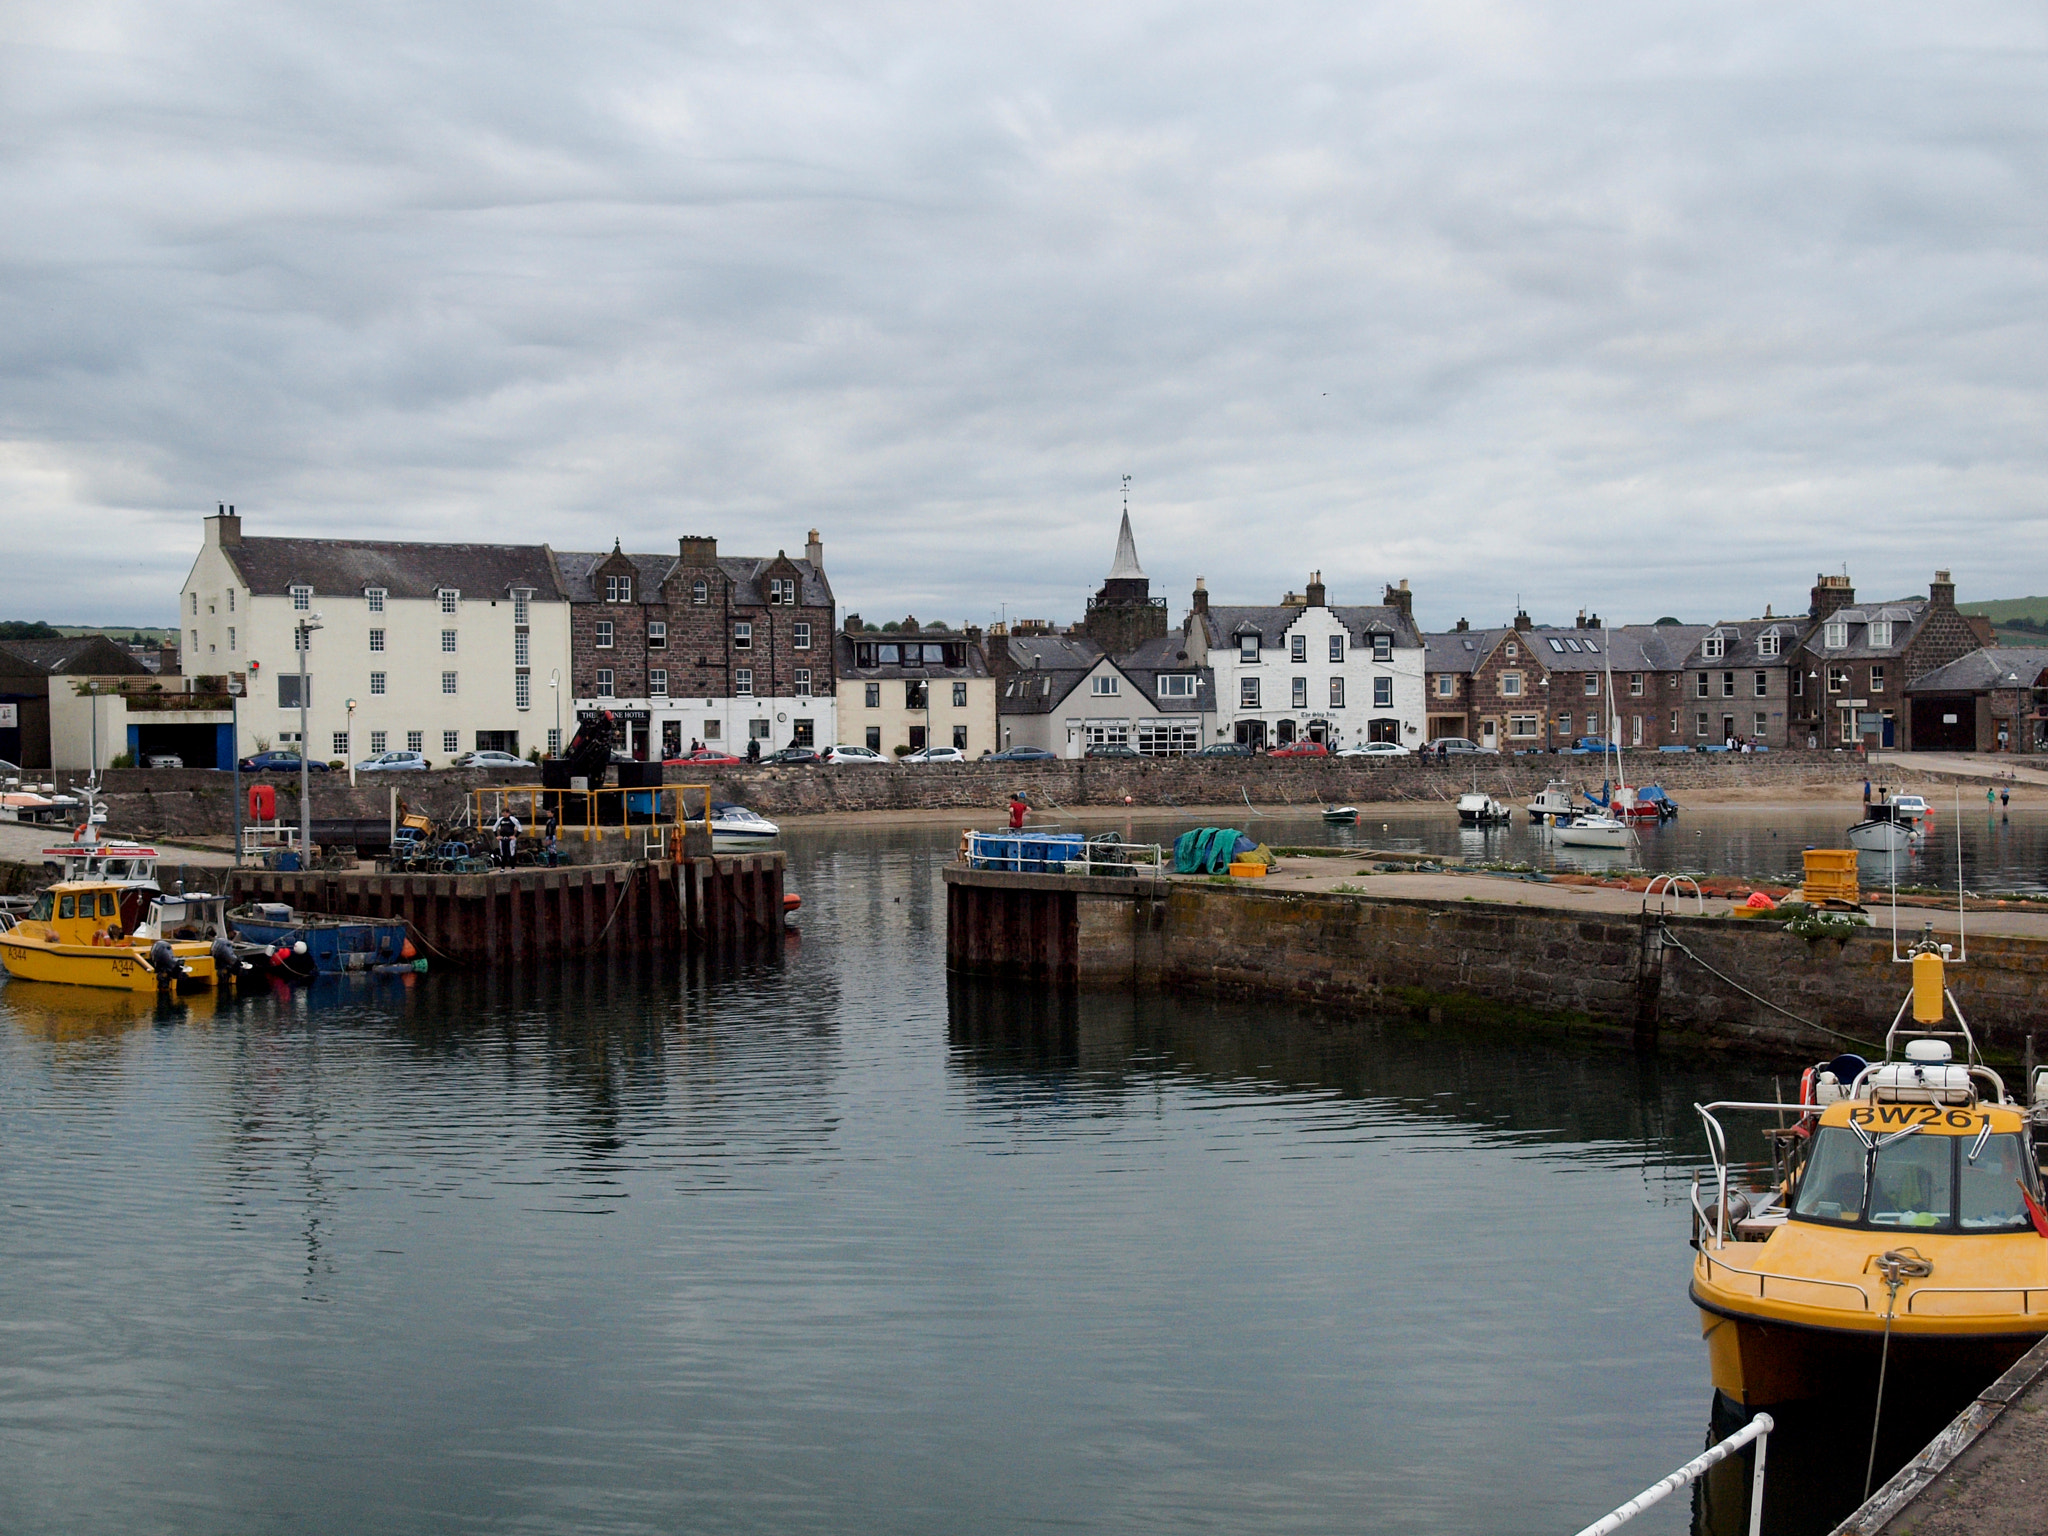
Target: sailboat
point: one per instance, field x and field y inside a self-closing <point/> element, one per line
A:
<point x="1603" y="829"/>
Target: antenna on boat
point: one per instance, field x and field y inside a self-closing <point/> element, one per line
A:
<point x="1962" y="926"/>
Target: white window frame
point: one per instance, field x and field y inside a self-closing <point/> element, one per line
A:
<point x="1104" y="686"/>
<point x="377" y="685"/>
<point x="601" y="635"/>
<point x="415" y="741"/>
<point x="801" y="682"/>
<point x="378" y="740"/>
<point x="450" y="684"/>
<point x="373" y="598"/>
<point x="302" y="600"/>
<point x="602" y="687"/>
<point x="657" y="634"/>
<point x="743" y="682"/>
<point x="1767" y="644"/>
<point x="743" y="635"/>
<point x="1592" y="685"/>
<point x="1713" y="648"/>
<point x="376" y="642"/>
<point x="1762" y="683"/>
<point x="1522" y="727"/>
<point x="449" y="596"/>
<point x="1247" y="650"/>
<point x="1880" y="634"/>
<point x="451" y="741"/>
<point x="522" y="690"/>
<point x="1511" y="685"/>
<point x="800" y="636"/>
<point x="1834" y="635"/>
<point x="1383" y="649"/>
<point x="657" y="682"/>
<point x="1336" y="693"/>
<point x="448" y="642"/>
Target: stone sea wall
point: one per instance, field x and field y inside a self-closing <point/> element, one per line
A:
<point x="189" y="802"/>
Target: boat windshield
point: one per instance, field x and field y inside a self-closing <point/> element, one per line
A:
<point x="1971" y="1182"/>
<point x="45" y="907"/>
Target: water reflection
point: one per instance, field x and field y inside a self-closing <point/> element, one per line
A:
<point x="826" y="1243"/>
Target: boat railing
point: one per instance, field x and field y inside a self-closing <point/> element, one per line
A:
<point x="1763" y="1277"/>
<point x="1004" y="847"/>
<point x="1667" y="886"/>
<point x="1757" y="1429"/>
<point x="2026" y="1294"/>
<point x="667" y="806"/>
<point x="1717" y="1148"/>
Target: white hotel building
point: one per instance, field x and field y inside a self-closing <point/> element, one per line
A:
<point x="439" y="648"/>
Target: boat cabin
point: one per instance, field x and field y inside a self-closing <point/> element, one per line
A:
<point x="84" y="912"/>
<point x="184" y="918"/>
<point x="123" y="863"/>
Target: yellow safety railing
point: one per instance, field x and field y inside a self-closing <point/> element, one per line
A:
<point x="663" y="806"/>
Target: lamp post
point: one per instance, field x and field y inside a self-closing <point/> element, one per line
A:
<point x="555" y="687"/>
<point x="351" y="743"/>
<point x="303" y="635"/>
<point x="235" y="757"/>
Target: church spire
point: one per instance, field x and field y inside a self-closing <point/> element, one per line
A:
<point x="1125" y="566"/>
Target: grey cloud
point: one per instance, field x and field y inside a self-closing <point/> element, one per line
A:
<point x="1645" y="310"/>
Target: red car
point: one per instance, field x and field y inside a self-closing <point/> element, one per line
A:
<point x="1301" y="749"/>
<point x="709" y="757"/>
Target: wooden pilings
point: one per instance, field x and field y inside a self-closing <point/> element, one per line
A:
<point x="720" y="903"/>
<point x="1013" y="927"/>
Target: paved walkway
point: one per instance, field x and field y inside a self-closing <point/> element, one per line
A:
<point x="1971" y="765"/>
<point x="1299" y="874"/>
<point x="25" y="845"/>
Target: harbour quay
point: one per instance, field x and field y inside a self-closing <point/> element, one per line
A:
<point x="1489" y="948"/>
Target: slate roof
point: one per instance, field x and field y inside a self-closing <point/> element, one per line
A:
<point x="747" y="573"/>
<point x="83" y="655"/>
<point x="976" y="658"/>
<point x="1981" y="671"/>
<point x="1904" y="617"/>
<point x="1224" y="625"/>
<point x="404" y="570"/>
<point x="1044" y="670"/>
<point x="1169" y="654"/>
<point x="1740" y="639"/>
<point x="1631" y="647"/>
<point x="1460" y="650"/>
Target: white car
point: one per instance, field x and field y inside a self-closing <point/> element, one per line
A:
<point x="389" y="762"/>
<point x="486" y="759"/>
<point x="1375" y="749"/>
<point x="937" y="755"/>
<point x="846" y="754"/>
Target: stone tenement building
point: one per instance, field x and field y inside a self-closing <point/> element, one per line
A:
<point x="700" y="646"/>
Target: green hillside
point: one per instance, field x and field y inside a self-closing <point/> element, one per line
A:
<point x="2015" y="620"/>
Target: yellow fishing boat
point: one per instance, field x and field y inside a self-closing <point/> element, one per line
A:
<point x="1901" y="1233"/>
<point x="74" y="935"/>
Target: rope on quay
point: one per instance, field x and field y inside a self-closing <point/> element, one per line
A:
<point x="1666" y="936"/>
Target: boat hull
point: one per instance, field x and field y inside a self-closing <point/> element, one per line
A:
<point x="1760" y="1362"/>
<point x="1880" y="837"/>
<point x="729" y="840"/>
<point x="117" y="967"/>
<point x="333" y="947"/>
<point x="1579" y="834"/>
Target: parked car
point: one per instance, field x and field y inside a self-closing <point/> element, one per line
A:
<point x="489" y="760"/>
<point x="1225" y="749"/>
<point x="1456" y="746"/>
<point x="394" y="762"/>
<point x="849" y="755"/>
<point x="1111" y="749"/>
<point x="1374" y="749"/>
<point x="1022" y="755"/>
<point x="703" y="757"/>
<point x="936" y="755"/>
<point x="162" y="760"/>
<point x="278" y="762"/>
<point x="1301" y="749"/>
<point x="794" y="755"/>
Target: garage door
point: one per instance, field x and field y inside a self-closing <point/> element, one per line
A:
<point x="1945" y="722"/>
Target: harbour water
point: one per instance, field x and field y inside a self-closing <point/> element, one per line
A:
<point x="828" y="1245"/>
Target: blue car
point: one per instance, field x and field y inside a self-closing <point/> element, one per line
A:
<point x="278" y="762"/>
<point x="1022" y="755"/>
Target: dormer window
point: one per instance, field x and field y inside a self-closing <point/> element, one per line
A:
<point x="618" y="589"/>
<point x="1880" y="633"/>
<point x="1714" y="647"/>
<point x="1247" y="649"/>
<point x="782" y="591"/>
<point x="1383" y="648"/>
<point x="1834" y="635"/>
<point x="1767" y="643"/>
<point x="448" y="596"/>
<point x="302" y="600"/>
<point x="374" y="597"/>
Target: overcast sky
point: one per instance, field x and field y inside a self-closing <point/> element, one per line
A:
<point x="1649" y="307"/>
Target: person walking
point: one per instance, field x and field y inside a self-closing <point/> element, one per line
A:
<point x="1990" y="798"/>
<point x="508" y="839"/>
<point x="2005" y="799"/>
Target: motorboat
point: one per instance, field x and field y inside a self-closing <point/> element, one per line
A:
<point x="306" y="944"/>
<point x="1898" y="1232"/>
<point x="1883" y="831"/>
<point x="1594" y="830"/>
<point x="1649" y="803"/>
<point x="1913" y="808"/>
<point x="1553" y="804"/>
<point x="75" y="934"/>
<point x="117" y="860"/>
<point x="197" y="916"/>
<point x="27" y="805"/>
<point x="1479" y="809"/>
<point x="734" y="827"/>
<point x="1340" y="814"/>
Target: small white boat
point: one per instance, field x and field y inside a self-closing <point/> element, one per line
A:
<point x="1882" y="832"/>
<point x="26" y="805"/>
<point x="1594" y="831"/>
<point x="1553" y="804"/>
<point x="1913" y="808"/>
<point x="1340" y="813"/>
<point x="1479" y="809"/>
<point x="734" y="827"/>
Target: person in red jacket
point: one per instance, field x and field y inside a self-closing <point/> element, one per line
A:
<point x="1018" y="807"/>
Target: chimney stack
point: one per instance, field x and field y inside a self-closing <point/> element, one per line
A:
<point x="1830" y="594"/>
<point x="697" y="552"/>
<point x="1523" y="623"/>
<point x="814" y="551"/>
<point x="1464" y="626"/>
<point x="1400" y="597"/>
<point x="1941" y="592"/>
<point x="1201" y="603"/>
<point x="1316" y="591"/>
<point x="227" y="528"/>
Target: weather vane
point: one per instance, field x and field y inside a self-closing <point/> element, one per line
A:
<point x="1127" y="495"/>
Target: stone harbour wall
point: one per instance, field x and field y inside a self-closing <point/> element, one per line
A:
<point x="193" y="802"/>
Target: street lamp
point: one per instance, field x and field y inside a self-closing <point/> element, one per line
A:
<point x="555" y="687"/>
<point x="302" y="635"/>
<point x="351" y="743"/>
